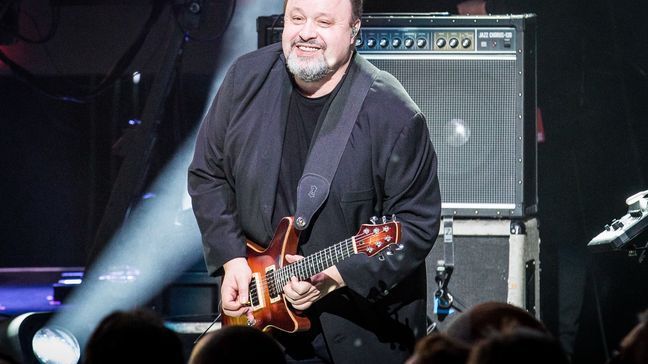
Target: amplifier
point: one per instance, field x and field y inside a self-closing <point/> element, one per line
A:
<point x="474" y="77"/>
<point x="493" y="260"/>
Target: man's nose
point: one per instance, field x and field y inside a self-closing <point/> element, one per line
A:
<point x="308" y="31"/>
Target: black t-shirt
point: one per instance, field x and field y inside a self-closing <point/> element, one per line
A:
<point x="303" y="118"/>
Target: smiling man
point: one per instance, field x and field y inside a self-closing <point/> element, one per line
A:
<point x="318" y="43"/>
<point x="309" y="119"/>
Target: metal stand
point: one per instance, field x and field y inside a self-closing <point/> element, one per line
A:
<point x="443" y="299"/>
<point x="134" y="169"/>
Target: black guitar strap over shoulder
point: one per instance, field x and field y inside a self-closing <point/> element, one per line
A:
<point x="331" y="140"/>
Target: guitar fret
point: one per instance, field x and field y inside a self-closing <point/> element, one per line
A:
<point x="322" y="260"/>
<point x="312" y="266"/>
<point x="303" y="272"/>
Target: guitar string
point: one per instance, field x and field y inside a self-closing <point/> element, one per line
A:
<point x="264" y="284"/>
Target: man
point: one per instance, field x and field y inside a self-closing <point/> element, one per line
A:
<point x="251" y="152"/>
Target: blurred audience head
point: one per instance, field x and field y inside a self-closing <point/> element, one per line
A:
<point x="518" y="345"/>
<point x="237" y="344"/>
<point x="137" y="336"/>
<point x="633" y="348"/>
<point x="484" y="319"/>
<point x="439" y="348"/>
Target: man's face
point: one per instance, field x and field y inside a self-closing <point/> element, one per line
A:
<point x="317" y="37"/>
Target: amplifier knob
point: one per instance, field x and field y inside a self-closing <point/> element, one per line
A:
<point x="384" y="43"/>
<point x="466" y="42"/>
<point x="359" y="42"/>
<point x="453" y="42"/>
<point x="371" y="42"/>
<point x="441" y="42"/>
<point x="409" y="42"/>
<point x="421" y="42"/>
<point x="396" y="42"/>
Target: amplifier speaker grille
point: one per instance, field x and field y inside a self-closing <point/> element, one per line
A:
<point x="470" y="109"/>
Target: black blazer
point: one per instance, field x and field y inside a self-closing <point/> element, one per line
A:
<point x="388" y="167"/>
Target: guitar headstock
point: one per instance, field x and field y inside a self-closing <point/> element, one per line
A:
<point x="376" y="237"/>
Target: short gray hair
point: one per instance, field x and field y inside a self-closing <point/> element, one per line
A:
<point x="356" y="8"/>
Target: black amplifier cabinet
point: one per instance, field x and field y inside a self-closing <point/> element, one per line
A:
<point x="475" y="80"/>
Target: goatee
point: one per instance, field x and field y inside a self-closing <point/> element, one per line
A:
<point x="307" y="69"/>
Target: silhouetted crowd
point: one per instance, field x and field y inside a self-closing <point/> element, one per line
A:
<point x="487" y="333"/>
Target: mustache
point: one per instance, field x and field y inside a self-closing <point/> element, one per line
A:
<point x="311" y="42"/>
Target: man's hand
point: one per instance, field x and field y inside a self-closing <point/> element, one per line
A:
<point x="302" y="294"/>
<point x="235" y="287"/>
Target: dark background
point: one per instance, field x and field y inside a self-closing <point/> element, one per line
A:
<point x="58" y="159"/>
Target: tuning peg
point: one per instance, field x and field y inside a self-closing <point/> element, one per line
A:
<point x="400" y="247"/>
<point x="393" y="217"/>
<point x="389" y="252"/>
<point x="374" y="220"/>
<point x="384" y="219"/>
<point x="381" y="257"/>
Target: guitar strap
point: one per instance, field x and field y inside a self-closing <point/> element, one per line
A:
<point x="331" y="140"/>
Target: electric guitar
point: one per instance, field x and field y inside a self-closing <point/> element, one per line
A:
<point x="271" y="272"/>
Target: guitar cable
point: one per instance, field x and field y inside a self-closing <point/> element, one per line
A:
<point x="220" y="310"/>
<point x="212" y="324"/>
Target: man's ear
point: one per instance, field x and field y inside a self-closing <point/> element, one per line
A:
<point x="355" y="28"/>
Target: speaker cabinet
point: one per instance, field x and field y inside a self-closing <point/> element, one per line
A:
<point x="494" y="260"/>
<point x="474" y="79"/>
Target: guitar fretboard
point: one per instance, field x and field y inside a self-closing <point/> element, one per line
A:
<point x="309" y="266"/>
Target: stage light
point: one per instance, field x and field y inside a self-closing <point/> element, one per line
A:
<point x="56" y="345"/>
<point x="137" y="77"/>
<point x="27" y="339"/>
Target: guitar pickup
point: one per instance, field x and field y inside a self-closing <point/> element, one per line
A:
<point x="256" y="292"/>
<point x="273" y="290"/>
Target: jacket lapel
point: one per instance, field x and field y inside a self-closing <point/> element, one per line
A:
<point x="275" y="116"/>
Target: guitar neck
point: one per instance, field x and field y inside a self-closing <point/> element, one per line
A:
<point x="316" y="263"/>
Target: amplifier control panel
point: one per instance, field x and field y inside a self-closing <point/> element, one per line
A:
<point x="433" y="40"/>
